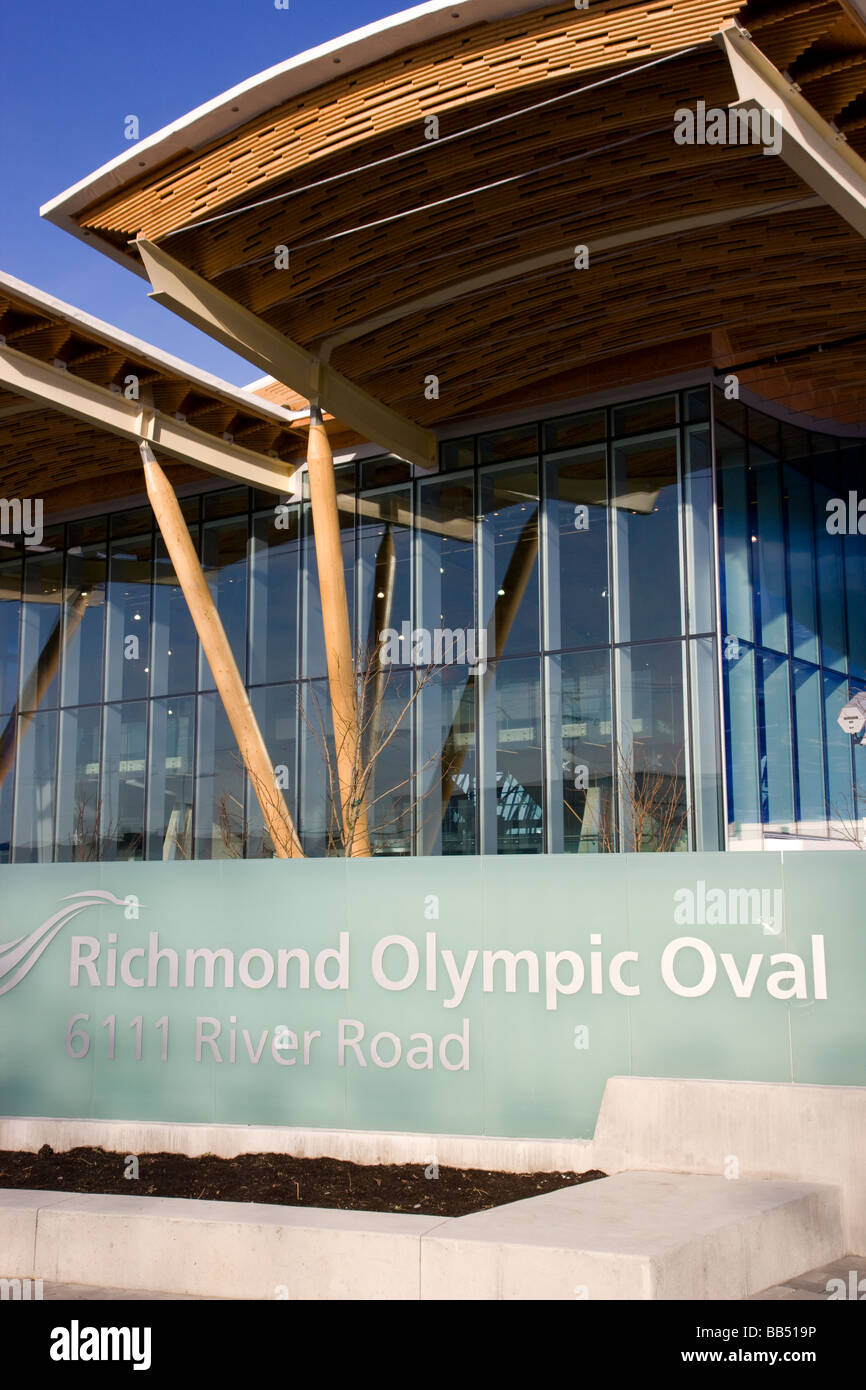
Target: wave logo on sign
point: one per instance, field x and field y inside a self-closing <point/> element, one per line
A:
<point x="17" y="958"/>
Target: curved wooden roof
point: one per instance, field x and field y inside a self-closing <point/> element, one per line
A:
<point x="51" y="452"/>
<point x="454" y="257"/>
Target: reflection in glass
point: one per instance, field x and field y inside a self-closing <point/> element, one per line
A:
<point x="578" y="596"/>
<point x="224" y="561"/>
<point x="646" y="502"/>
<point x="36" y="767"/>
<point x="774" y="722"/>
<point x="123" y="781"/>
<point x="10" y="614"/>
<point x="276" y="711"/>
<point x="175" y="645"/>
<point x="41" y="632"/>
<point x="128" y="635"/>
<point x="516" y="688"/>
<point x="82" y="661"/>
<point x="219" y="790"/>
<point x="274" y="589"/>
<point x="78" y="804"/>
<point x="650" y="755"/>
<point x="509" y="558"/>
<point x="170" y="787"/>
<point x="446" y="763"/>
<point x="582" y="817"/>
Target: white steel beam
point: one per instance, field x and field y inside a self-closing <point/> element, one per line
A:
<point x="70" y="395"/>
<point x="809" y="145"/>
<point x="237" y="328"/>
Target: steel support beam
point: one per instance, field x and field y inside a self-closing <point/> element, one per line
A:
<point x="810" y="146"/>
<point x="237" y="328"/>
<point x="59" y="390"/>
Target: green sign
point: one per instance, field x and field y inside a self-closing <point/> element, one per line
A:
<point x="467" y="996"/>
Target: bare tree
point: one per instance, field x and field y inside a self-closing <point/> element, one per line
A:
<point x="845" y="820"/>
<point x="655" y="809"/>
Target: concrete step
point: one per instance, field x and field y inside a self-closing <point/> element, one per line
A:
<point x="637" y="1235"/>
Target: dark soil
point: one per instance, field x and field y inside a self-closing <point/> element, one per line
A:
<point x="292" y="1182"/>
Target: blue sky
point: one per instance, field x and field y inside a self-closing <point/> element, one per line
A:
<point x="74" y="71"/>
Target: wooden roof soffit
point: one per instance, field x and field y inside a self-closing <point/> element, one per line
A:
<point x="237" y="328"/>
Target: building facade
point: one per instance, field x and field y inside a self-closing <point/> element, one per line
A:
<point x="628" y="628"/>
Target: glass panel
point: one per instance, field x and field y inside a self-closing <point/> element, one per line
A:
<point x="385" y="574"/>
<point x="455" y="454"/>
<point x="574" y="430"/>
<point x="576" y="513"/>
<point x="582" y="815"/>
<point x="518" y="443"/>
<point x="639" y="417"/>
<point x="383" y="472"/>
<point x="706" y="745"/>
<point x="509" y="558"/>
<point x="34" y="789"/>
<point x="229" y="502"/>
<point x="388" y="709"/>
<point x="697" y="404"/>
<point x="650" y="755"/>
<point x="313" y="662"/>
<point x="808" y="721"/>
<point x="764" y="433"/>
<point x="10" y="614"/>
<point x="519" y="793"/>
<point x="123" y="774"/>
<point x="41" y="631"/>
<point x="700" y="541"/>
<point x="730" y="413"/>
<point x="446" y="763"/>
<point x="646" y="498"/>
<point x="855" y="595"/>
<point x="770" y="552"/>
<point x="276" y="709"/>
<point x="741" y="739"/>
<point x="801" y="565"/>
<point x="446" y="565"/>
<point x="831" y="582"/>
<point x="5" y="819"/>
<point x="774" y="719"/>
<point x="224" y="561"/>
<point x="170" y="778"/>
<point x="219" y="804"/>
<point x="85" y="626"/>
<point x="317" y="824"/>
<point x="839" y="771"/>
<point x="78" y="807"/>
<point x="175" y="646"/>
<point x="735" y="536"/>
<point x="274" y="596"/>
<point x="132" y="523"/>
<point x="128" y="635"/>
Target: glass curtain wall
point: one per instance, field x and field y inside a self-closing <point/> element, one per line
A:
<point x="534" y="637"/>
<point x="793" y="580"/>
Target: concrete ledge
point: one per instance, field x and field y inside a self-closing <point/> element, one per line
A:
<point x="489" y="1153"/>
<point x="233" y="1250"/>
<point x="635" y="1236"/>
<point x="811" y="1134"/>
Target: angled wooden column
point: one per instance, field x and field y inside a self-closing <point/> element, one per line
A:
<point x="338" y="637"/>
<point x="215" y="644"/>
<point x="46" y="668"/>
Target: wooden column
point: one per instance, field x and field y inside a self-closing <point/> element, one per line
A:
<point x="223" y="667"/>
<point x="47" y="666"/>
<point x="338" y="637"/>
